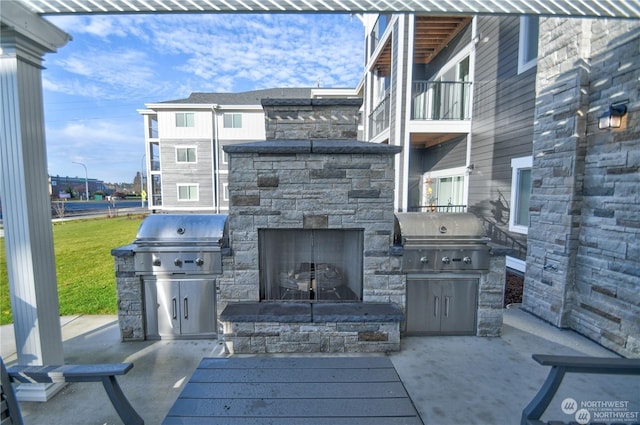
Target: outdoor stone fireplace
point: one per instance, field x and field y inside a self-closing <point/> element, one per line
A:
<point x="312" y="262"/>
<point x="310" y="226"/>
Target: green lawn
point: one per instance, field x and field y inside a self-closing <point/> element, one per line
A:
<point x="84" y="265"/>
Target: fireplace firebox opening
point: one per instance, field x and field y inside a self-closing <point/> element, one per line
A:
<point x="311" y="264"/>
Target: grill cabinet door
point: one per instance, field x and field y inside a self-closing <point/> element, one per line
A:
<point x="443" y="306"/>
<point x="458" y="302"/>
<point x="168" y="307"/>
<point x="197" y="307"/>
<point x="180" y="308"/>
<point x="423" y="309"/>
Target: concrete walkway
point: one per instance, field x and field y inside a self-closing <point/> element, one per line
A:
<point x="451" y="380"/>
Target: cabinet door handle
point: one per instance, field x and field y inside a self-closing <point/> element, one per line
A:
<point x="436" y="304"/>
<point x="186" y="307"/>
<point x="446" y="306"/>
<point x="174" y="306"/>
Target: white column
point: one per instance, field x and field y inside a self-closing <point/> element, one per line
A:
<point x="24" y="187"/>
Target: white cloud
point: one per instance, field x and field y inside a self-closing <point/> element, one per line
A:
<point x="117" y="63"/>
<point x="107" y="148"/>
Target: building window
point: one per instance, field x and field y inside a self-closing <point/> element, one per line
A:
<point x="444" y="191"/>
<point x="520" y="194"/>
<point x="528" y="50"/>
<point x="186" y="154"/>
<point x="188" y="192"/>
<point x="225" y="191"/>
<point x="185" y="119"/>
<point x="232" y="120"/>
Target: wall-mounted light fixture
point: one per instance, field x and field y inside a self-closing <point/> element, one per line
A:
<point x="612" y="118"/>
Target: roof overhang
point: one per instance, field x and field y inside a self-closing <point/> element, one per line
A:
<point x="582" y="8"/>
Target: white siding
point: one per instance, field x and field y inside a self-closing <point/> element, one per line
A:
<point x="253" y="127"/>
<point x="203" y="128"/>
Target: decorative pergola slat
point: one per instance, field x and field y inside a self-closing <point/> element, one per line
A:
<point x="584" y="8"/>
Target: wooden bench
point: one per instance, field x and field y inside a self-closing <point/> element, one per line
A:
<point x="571" y="364"/>
<point x="105" y="373"/>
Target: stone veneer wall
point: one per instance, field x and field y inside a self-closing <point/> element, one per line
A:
<point x="300" y="119"/>
<point x="583" y="262"/>
<point x="491" y="295"/>
<point x="130" y="295"/>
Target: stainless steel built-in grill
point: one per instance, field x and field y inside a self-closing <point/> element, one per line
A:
<point x="180" y="244"/>
<point x="436" y="242"/>
<point x="178" y="257"/>
<point x="444" y="256"/>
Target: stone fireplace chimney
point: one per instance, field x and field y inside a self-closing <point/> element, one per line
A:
<point x="300" y="119"/>
<point x="313" y="184"/>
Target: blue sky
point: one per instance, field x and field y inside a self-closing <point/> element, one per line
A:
<point x="117" y="63"/>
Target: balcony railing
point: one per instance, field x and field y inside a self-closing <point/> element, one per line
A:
<point x="438" y="208"/>
<point x="379" y="118"/>
<point x="440" y="100"/>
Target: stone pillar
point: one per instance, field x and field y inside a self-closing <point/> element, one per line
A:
<point x="24" y="188"/>
<point x="559" y="147"/>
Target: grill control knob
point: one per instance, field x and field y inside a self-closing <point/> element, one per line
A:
<point x="446" y="260"/>
<point x="424" y="260"/>
<point x="157" y="262"/>
<point x="466" y="260"/>
<point x="199" y="261"/>
<point x="177" y="262"/>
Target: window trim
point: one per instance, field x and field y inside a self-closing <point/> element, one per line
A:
<point x="525" y="23"/>
<point x="186" y="121"/>
<point x="195" y="149"/>
<point x="196" y="185"/>
<point x="517" y="164"/>
<point x="225" y="191"/>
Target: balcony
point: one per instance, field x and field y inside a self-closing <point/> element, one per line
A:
<point x="379" y="118"/>
<point x="440" y="100"/>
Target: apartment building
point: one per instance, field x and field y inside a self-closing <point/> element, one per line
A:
<point x="186" y="168"/>
<point x="509" y="117"/>
<point x="458" y="93"/>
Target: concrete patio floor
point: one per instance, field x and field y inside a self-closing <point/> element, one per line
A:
<point x="451" y="380"/>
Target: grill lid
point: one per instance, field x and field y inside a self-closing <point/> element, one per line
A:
<point x="419" y="227"/>
<point x="182" y="229"/>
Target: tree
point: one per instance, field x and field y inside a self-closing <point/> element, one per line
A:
<point x="136" y="182"/>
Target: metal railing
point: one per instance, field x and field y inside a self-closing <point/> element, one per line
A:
<point x="440" y="100"/>
<point x="379" y="118"/>
<point x="438" y="208"/>
<point x="503" y="238"/>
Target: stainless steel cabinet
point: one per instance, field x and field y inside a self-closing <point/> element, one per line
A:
<point x="441" y="306"/>
<point x="180" y="308"/>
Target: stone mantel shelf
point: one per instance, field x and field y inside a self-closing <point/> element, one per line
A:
<point x="312" y="146"/>
<point x="289" y="312"/>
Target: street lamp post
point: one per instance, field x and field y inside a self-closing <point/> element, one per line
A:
<point x="86" y="179"/>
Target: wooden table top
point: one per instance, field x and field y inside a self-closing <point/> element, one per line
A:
<point x="294" y="390"/>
